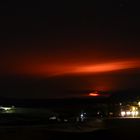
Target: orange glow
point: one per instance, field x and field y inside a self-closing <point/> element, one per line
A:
<point x="62" y="69"/>
<point x="38" y="64"/>
<point x="94" y="94"/>
<point x="106" y="67"/>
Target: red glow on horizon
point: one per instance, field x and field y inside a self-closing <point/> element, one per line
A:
<point x="94" y="94"/>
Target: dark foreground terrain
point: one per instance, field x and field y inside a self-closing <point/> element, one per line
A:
<point x="116" y="129"/>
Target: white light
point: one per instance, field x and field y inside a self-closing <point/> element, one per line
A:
<point x="53" y="118"/>
<point x="123" y="113"/>
<point x="133" y="113"/>
<point x="65" y="120"/>
<point x="5" y="108"/>
<point x="128" y="113"/>
<point x="136" y="113"/>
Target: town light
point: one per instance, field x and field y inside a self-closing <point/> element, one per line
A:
<point x="123" y="113"/>
<point x="139" y="103"/>
<point x="137" y="113"/>
<point x="5" y="108"/>
<point x="128" y="113"/>
<point x="133" y="108"/>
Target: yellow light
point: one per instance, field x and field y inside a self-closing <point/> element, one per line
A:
<point x="133" y="108"/>
<point x="139" y="103"/>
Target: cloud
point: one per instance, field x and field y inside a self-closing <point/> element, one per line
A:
<point x="70" y="68"/>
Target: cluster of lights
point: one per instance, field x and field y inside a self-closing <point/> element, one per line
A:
<point x="129" y="113"/>
<point x="132" y="112"/>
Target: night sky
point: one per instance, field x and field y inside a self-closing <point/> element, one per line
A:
<point x="60" y="49"/>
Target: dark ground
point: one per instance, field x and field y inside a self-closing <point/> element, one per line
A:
<point x="116" y="129"/>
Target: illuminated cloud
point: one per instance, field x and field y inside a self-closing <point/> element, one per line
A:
<point x="106" y="67"/>
<point x="64" y="69"/>
<point x="39" y="64"/>
<point x="90" y="68"/>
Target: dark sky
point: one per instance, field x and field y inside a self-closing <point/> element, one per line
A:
<point x="61" y="49"/>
